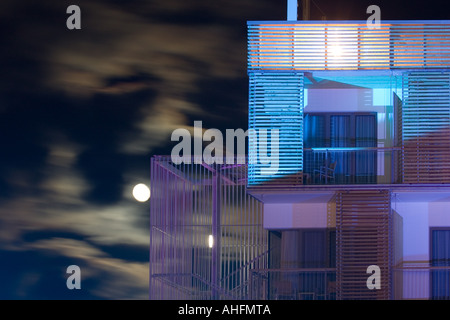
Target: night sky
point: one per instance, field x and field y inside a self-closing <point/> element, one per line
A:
<point x="83" y="111"/>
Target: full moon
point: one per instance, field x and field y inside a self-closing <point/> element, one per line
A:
<point x="141" y="192"/>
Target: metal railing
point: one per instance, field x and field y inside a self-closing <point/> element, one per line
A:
<point x="192" y="204"/>
<point x="409" y="282"/>
<point x="191" y="286"/>
<point x="421" y="282"/>
<point x="293" y="284"/>
<point x="342" y="166"/>
<point x="242" y="276"/>
<point x="352" y="165"/>
<point x="412" y="282"/>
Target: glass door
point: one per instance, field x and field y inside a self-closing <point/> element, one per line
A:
<point x="341" y="142"/>
<point x="440" y="257"/>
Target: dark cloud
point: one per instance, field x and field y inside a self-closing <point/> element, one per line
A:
<point x="32" y="275"/>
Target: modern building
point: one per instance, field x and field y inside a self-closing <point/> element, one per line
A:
<point x="348" y="168"/>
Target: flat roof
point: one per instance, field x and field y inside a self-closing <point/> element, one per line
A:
<point x="347" y="22"/>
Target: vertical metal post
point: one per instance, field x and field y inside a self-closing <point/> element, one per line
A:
<point x="392" y="165"/>
<point x="305" y="9"/>
<point x="215" y="250"/>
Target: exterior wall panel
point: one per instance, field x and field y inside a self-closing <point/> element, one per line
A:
<point x="275" y="128"/>
<point x="426" y="127"/>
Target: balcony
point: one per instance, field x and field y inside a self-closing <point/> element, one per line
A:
<point x="351" y="165"/>
<point x="409" y="282"/>
<point x="293" y="284"/>
<point x="341" y="166"/>
<point x="421" y="282"/>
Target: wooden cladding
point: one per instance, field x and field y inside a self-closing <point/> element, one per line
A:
<point x="363" y="232"/>
<point x="275" y="128"/>
<point x="426" y="127"/>
<point x="350" y="45"/>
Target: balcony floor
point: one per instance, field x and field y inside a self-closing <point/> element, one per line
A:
<point x="319" y="193"/>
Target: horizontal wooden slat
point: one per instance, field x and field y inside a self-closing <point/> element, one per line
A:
<point x="275" y="104"/>
<point x="362" y="235"/>
<point x="426" y="127"/>
<point x="332" y="45"/>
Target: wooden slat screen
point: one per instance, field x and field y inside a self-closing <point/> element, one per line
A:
<point x="275" y="105"/>
<point x="363" y="236"/>
<point x="425" y="127"/>
<point x="334" y="45"/>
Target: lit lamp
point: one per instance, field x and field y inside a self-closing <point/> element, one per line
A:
<point x="210" y="241"/>
<point x="342" y="52"/>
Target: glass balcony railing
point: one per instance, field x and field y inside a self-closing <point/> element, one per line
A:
<point x="421" y="282"/>
<point x="341" y="166"/>
<point x="356" y="165"/>
<point x="409" y="282"/>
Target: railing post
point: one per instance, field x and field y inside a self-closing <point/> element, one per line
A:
<point x="392" y="166"/>
<point x="215" y="250"/>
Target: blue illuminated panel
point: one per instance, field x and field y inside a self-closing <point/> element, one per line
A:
<point x="275" y="110"/>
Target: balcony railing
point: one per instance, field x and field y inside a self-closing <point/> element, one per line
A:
<point x="342" y="166"/>
<point x="354" y="165"/>
<point x="409" y="282"/>
<point x="421" y="282"/>
<point x="293" y="284"/>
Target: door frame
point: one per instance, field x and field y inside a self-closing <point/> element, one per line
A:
<point x="430" y="252"/>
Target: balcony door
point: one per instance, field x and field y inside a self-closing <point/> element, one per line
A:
<point x="300" y="259"/>
<point x="342" y="138"/>
<point x="440" y="257"/>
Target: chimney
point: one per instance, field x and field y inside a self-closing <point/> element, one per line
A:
<point x="292" y="10"/>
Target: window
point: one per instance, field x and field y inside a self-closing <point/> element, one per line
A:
<point x="343" y="139"/>
<point x="440" y="257"/>
<point x="302" y="261"/>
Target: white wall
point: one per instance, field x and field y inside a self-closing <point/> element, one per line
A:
<point x="439" y="214"/>
<point x="278" y="216"/>
<point x="295" y="215"/>
<point x="354" y="100"/>
<point x="418" y="218"/>
<point x="415" y="229"/>
<point x="338" y="100"/>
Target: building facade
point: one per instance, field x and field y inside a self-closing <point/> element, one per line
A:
<point x="348" y="168"/>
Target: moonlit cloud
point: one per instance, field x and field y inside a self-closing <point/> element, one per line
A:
<point x="177" y="55"/>
<point x="156" y="125"/>
<point x="83" y="111"/>
<point x="116" y="278"/>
